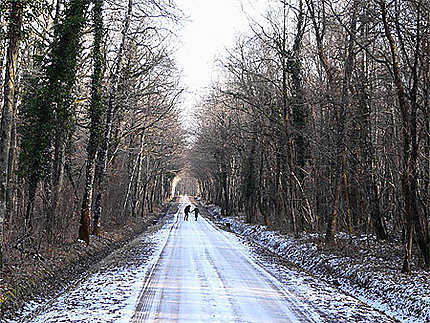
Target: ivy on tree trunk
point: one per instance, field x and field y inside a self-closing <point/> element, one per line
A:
<point x="48" y="114"/>
<point x="96" y="112"/>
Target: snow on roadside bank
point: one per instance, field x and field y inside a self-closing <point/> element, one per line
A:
<point x="110" y="291"/>
<point x="374" y="280"/>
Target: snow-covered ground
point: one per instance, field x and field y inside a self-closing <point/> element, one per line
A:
<point x="193" y="271"/>
<point x="375" y="281"/>
<point x="110" y="291"/>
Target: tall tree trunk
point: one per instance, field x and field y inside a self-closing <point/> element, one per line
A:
<point x="287" y="160"/>
<point x="368" y="153"/>
<point x="131" y="181"/>
<point x="96" y="129"/>
<point x="103" y="151"/>
<point x="32" y="188"/>
<point x="410" y="145"/>
<point x="341" y="165"/>
<point x="249" y="186"/>
<point x="138" y="187"/>
<point x="319" y="28"/>
<point x="7" y="120"/>
<point x="11" y="191"/>
<point x="299" y="112"/>
<point x="63" y="71"/>
<point x="3" y="47"/>
<point x="226" y="199"/>
<point x="143" y="197"/>
<point x="57" y="182"/>
<point x="261" y="193"/>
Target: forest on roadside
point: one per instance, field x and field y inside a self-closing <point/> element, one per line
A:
<point x="90" y="127"/>
<point x="320" y="122"/>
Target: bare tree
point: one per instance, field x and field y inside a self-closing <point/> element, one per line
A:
<point x="7" y="120"/>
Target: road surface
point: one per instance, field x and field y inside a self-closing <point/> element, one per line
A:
<point x="204" y="274"/>
<point x="191" y="271"/>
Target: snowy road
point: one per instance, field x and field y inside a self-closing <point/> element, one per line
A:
<point x="192" y="271"/>
<point x="204" y="276"/>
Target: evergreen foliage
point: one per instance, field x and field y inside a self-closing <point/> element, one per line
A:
<point x="47" y="109"/>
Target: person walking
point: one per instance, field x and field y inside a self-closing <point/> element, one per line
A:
<point x="196" y="212"/>
<point x="187" y="212"/>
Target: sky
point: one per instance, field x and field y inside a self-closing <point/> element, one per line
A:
<point x="212" y="27"/>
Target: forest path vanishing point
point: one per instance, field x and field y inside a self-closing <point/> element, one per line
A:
<point x="193" y="271"/>
<point x="205" y="274"/>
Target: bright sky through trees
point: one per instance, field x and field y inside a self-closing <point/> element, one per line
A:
<point x="211" y="28"/>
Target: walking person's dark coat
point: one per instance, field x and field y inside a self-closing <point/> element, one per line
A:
<point x="196" y="212"/>
<point x="187" y="212"/>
